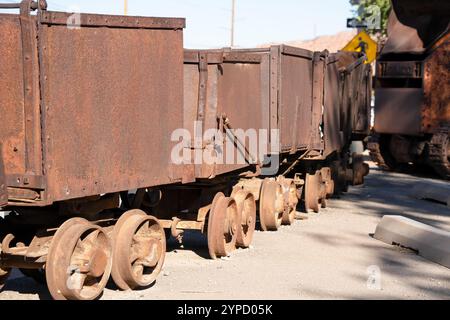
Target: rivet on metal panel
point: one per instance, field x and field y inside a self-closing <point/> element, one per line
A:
<point x="31" y="85"/>
<point x="202" y="94"/>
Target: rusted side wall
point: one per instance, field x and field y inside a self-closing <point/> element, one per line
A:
<point x="345" y="117"/>
<point x="295" y="102"/>
<point x="191" y="87"/>
<point x="356" y="94"/>
<point x="12" y="113"/>
<point x="197" y="119"/>
<point x="240" y="100"/>
<point x="333" y="136"/>
<point x="362" y="99"/>
<point x="111" y="98"/>
<point x="232" y="87"/>
<point x="436" y="82"/>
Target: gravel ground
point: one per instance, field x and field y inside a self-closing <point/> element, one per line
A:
<point x="330" y="255"/>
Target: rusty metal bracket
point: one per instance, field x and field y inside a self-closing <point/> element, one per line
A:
<point x="214" y="57"/>
<point x="34" y="5"/>
<point x="203" y="87"/>
<point x="275" y="57"/>
<point x="33" y="152"/>
<point x="319" y="66"/>
<point x="101" y="20"/>
<point x="296" y="52"/>
<point x="248" y="156"/>
<point x="296" y="162"/>
<point x="25" y="181"/>
<point x="177" y="234"/>
<point x="237" y="57"/>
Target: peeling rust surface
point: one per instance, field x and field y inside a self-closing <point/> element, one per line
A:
<point x="111" y="99"/>
<point x="348" y="93"/>
<point x="333" y="137"/>
<point x="295" y="107"/>
<point x="12" y="130"/>
<point x="231" y="86"/>
<point x="436" y="87"/>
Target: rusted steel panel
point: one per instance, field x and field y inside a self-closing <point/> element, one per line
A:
<point x="332" y="101"/>
<point x="291" y="96"/>
<point x="240" y="99"/>
<point x="111" y="99"/>
<point x="398" y="110"/>
<point x="295" y="107"/>
<point x="231" y="86"/>
<point x="12" y="130"/>
<point x="318" y="82"/>
<point x="274" y="84"/>
<point x="191" y="96"/>
<point x="30" y="63"/>
<point x="200" y="106"/>
<point x="356" y="94"/>
<point x="362" y="96"/>
<point x="436" y="86"/>
<point x="297" y="52"/>
<point x="100" y="20"/>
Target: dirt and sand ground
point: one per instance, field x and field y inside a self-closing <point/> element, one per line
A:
<point x="331" y="255"/>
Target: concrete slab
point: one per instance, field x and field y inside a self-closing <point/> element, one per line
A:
<point x="431" y="243"/>
<point x="432" y="191"/>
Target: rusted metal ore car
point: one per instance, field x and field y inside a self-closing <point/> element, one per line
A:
<point x="412" y="109"/>
<point x="86" y="109"/>
<point x="90" y="165"/>
<point x="316" y="104"/>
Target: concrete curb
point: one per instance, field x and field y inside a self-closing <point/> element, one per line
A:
<point x="431" y="243"/>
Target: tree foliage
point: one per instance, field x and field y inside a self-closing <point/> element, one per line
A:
<point x="367" y="9"/>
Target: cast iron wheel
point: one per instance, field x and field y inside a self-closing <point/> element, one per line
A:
<point x="271" y="205"/>
<point x="79" y="261"/>
<point x="223" y="225"/>
<point x="138" y="251"/>
<point x="312" y="185"/>
<point x="246" y="206"/>
<point x="291" y="207"/>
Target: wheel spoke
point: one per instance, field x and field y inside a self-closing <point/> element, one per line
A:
<point x="138" y="270"/>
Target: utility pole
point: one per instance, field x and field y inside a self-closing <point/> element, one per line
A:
<point x="233" y="10"/>
<point x="125" y="7"/>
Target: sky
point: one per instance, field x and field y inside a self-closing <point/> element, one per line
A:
<point x="208" y="21"/>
